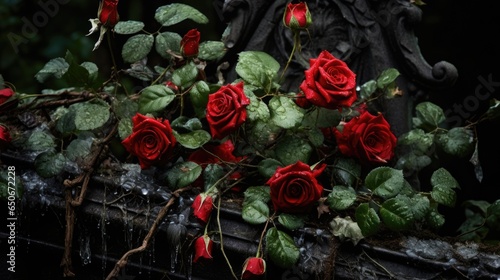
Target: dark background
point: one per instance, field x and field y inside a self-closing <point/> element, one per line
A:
<point x="463" y="34"/>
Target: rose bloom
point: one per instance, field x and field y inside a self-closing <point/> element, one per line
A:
<point x="329" y="82"/>
<point x="202" y="207"/>
<point x="297" y="16"/>
<point x="368" y="138"/>
<point x="152" y="140"/>
<point x="190" y="43"/>
<point x="108" y="13"/>
<point x="5" y="94"/>
<point x="5" y="138"/>
<point x="226" y="110"/>
<point x="294" y="188"/>
<point x="203" y="248"/>
<point x="254" y="268"/>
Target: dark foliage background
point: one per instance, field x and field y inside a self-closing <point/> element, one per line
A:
<point x="462" y="34"/>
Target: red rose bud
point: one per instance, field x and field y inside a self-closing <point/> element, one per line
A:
<point x="152" y="140"/>
<point x="297" y="16"/>
<point x="172" y="86"/>
<point x="4" y="137"/>
<point x="254" y="268"/>
<point x="202" y="207"/>
<point x="108" y="13"/>
<point x="190" y="43"/>
<point x="5" y="94"/>
<point x="203" y="248"/>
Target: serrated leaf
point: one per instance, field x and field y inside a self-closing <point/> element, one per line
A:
<point x="367" y="219"/>
<point x="257" y="109"/>
<point x="428" y="116"/>
<point x="261" y="193"/>
<point x="341" y="197"/>
<point x="182" y="174"/>
<point x="387" y="77"/>
<point x="284" y="112"/>
<point x="185" y="76"/>
<point x="268" y="166"/>
<point x="442" y="177"/>
<point x="199" y="98"/>
<point x="385" y="182"/>
<point x="291" y="222"/>
<point x="185" y="124"/>
<point x="194" y="139"/>
<point x="444" y="195"/>
<point x="55" y="67"/>
<point x="155" y="98"/>
<point x="78" y="149"/>
<point x="91" y="115"/>
<point x="92" y="69"/>
<point x="419" y="206"/>
<point x="396" y="215"/>
<point x="367" y="89"/>
<point x="128" y="27"/>
<point x="458" y="142"/>
<point x="435" y="219"/>
<point x="125" y="108"/>
<point x="346" y="229"/>
<point x="281" y="248"/>
<point x="211" y="50"/>
<point x="166" y="41"/>
<point x="419" y="141"/>
<point x="49" y="164"/>
<point x="40" y="141"/>
<point x="292" y="149"/>
<point x="174" y="13"/>
<point x="258" y="68"/>
<point x="255" y="212"/>
<point x="137" y="47"/>
<point x="211" y="174"/>
<point x="125" y="128"/>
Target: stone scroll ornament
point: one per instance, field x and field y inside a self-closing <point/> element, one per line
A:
<point x="370" y="36"/>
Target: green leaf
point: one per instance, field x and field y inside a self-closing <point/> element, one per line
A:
<point x="387" y="77"/>
<point x="39" y="141"/>
<point x="341" y="197"/>
<point x="174" y="13"/>
<point x="199" y="98"/>
<point x="255" y="212"/>
<point x="419" y="141"/>
<point x="396" y="214"/>
<point x="291" y="222"/>
<point x="284" y="112"/>
<point x="346" y="171"/>
<point x="155" y="98"/>
<point x="444" y="195"/>
<point x="257" y="109"/>
<point x="385" y="182"/>
<point x="367" y="89"/>
<point x="76" y="74"/>
<point x="441" y="177"/>
<point x="49" y="164"/>
<point x="419" y="206"/>
<point x="182" y="174"/>
<point x="194" y="139"/>
<point x="211" y="174"/>
<point x="258" y="68"/>
<point x="55" y="67"/>
<point x="185" y="76"/>
<point x="137" y="47"/>
<point x="167" y="41"/>
<point x="281" y="248"/>
<point x="185" y="124"/>
<point x="125" y="127"/>
<point x="268" y="166"/>
<point x="128" y="27"/>
<point x="434" y="219"/>
<point x="125" y="108"/>
<point x="367" y="219"/>
<point x="321" y="118"/>
<point x="261" y="134"/>
<point x="458" y="141"/>
<point x="292" y="149"/>
<point x="428" y="116"/>
<point x="78" y="149"/>
<point x="346" y="229"/>
<point x="92" y="69"/>
<point x="261" y="193"/>
<point x="211" y="50"/>
<point x="91" y="114"/>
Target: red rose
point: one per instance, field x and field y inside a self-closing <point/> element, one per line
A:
<point x="226" y="110"/>
<point x="202" y="207"/>
<point x="4" y="137"/>
<point x="214" y="154"/>
<point x="294" y="188"/>
<point x="301" y="101"/>
<point x="329" y="82"/>
<point x="190" y="43"/>
<point x="368" y="138"/>
<point x="5" y="94"/>
<point x="254" y="268"/>
<point x="297" y="16"/>
<point x="203" y="248"/>
<point x="152" y="140"/>
<point x="108" y="13"/>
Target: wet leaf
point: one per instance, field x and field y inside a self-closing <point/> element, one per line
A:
<point x="284" y="112"/>
<point x="49" y="164"/>
<point x="174" y="13"/>
<point x="258" y="69"/>
<point x="211" y="50"/>
<point x="185" y="76"/>
<point x="367" y="219"/>
<point x="341" y="197"/>
<point x="291" y="222"/>
<point x="167" y="41"/>
<point x="55" y="67"/>
<point x="385" y="182"/>
<point x="255" y="212"/>
<point x="91" y="114"/>
<point x="182" y="174"/>
<point x="137" y="47"/>
<point x="268" y="166"/>
<point x="155" y="98"/>
<point x="281" y="248"/>
<point x="261" y="193"/>
<point x="128" y="27"/>
<point x="194" y="139"/>
<point x="396" y="214"/>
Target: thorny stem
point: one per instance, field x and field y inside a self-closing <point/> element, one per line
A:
<point x="221" y="241"/>
<point x="122" y="262"/>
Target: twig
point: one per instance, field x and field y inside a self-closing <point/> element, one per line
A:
<point x="145" y="243"/>
<point x="221" y="242"/>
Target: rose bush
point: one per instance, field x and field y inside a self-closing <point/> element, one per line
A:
<point x="152" y="140"/>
